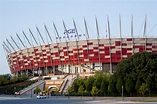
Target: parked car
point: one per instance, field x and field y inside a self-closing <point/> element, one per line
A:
<point x="41" y="96"/>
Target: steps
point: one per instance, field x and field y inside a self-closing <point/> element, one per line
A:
<point x="32" y="86"/>
<point x="69" y="79"/>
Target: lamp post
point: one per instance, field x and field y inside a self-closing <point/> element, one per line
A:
<point x="31" y="92"/>
<point x="14" y="91"/>
<point x="122" y="93"/>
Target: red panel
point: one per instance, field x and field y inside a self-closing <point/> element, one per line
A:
<point x="117" y="43"/>
<point x="149" y="44"/>
<point x="154" y="46"/>
<point x="129" y="39"/>
<point x="90" y="43"/>
<point x="55" y="46"/>
<point x="124" y="44"/>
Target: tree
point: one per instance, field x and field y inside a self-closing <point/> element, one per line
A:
<point x="138" y="67"/>
<point x="37" y="90"/>
<point x="46" y="91"/>
<point x="89" y="83"/>
<point x="104" y="87"/>
<point x="138" y="84"/>
<point x="112" y="84"/>
<point x="94" y="91"/>
<point x="129" y="85"/>
<point x="143" y="89"/>
<point x="68" y="90"/>
<point x="56" y="91"/>
<point x="150" y="83"/>
<point x="81" y="90"/>
<point x="119" y="85"/>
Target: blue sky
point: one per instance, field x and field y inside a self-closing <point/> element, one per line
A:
<point x="18" y="15"/>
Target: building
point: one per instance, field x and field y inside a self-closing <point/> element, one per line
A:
<point x="77" y="56"/>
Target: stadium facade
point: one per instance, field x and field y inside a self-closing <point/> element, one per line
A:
<point x="77" y="56"/>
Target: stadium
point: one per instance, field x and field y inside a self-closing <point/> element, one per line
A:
<point x="73" y="56"/>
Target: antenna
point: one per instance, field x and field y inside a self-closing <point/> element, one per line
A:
<point x="86" y="28"/>
<point x="7" y="46"/>
<point x="27" y="38"/>
<point x="56" y="31"/>
<point x="40" y="34"/>
<point x="15" y="43"/>
<point x="33" y="36"/>
<point x="48" y="32"/>
<point x="66" y="30"/>
<point x="109" y="44"/>
<point x="75" y="29"/>
<point x="132" y="26"/>
<point x="20" y="40"/>
<point x="97" y="28"/>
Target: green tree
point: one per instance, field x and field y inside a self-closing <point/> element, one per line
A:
<point x="89" y="83"/>
<point x="138" y="84"/>
<point x="150" y="83"/>
<point x="98" y="81"/>
<point x="46" y="90"/>
<point x="56" y="91"/>
<point x="143" y="89"/>
<point x="94" y="91"/>
<point x="129" y="85"/>
<point x="138" y="66"/>
<point x="37" y="90"/>
<point x="112" y="85"/>
<point x="119" y="85"/>
<point x="104" y="87"/>
<point x="68" y="91"/>
<point x="81" y="90"/>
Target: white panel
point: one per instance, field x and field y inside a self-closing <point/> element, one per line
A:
<point x="61" y="54"/>
<point x="71" y="54"/>
<point x="91" y="55"/>
<point x="136" y="50"/>
<point x="95" y="41"/>
<point x="81" y="55"/>
<point x="102" y="52"/>
<point x="96" y="50"/>
<point x="86" y="60"/>
<point x="113" y="50"/>
<point x="62" y="44"/>
<point x="72" y="43"/>
<point x="66" y="57"/>
<point x="45" y="56"/>
<point x="45" y="60"/>
<point x="107" y="56"/>
<point x="85" y="48"/>
<point x="129" y="51"/>
<point x="82" y="42"/>
<point x="125" y="56"/>
<point x="80" y="50"/>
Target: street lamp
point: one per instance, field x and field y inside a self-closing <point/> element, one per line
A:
<point x="122" y="93"/>
<point x="14" y="91"/>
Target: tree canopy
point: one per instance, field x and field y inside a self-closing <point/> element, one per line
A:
<point x="139" y="68"/>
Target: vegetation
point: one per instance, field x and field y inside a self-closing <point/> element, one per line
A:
<point x="8" y="79"/>
<point x="143" y="88"/>
<point x="37" y="90"/>
<point x="130" y="73"/>
<point x="94" y="91"/>
<point x="56" y="91"/>
<point x="10" y="84"/>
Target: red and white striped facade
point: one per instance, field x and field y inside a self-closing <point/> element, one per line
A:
<point x="103" y="51"/>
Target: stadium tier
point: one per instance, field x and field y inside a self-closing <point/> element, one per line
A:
<point x="69" y="56"/>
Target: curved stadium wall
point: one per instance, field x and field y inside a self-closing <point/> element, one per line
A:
<point x="105" y="52"/>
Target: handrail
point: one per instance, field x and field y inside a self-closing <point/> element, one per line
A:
<point x="31" y="86"/>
